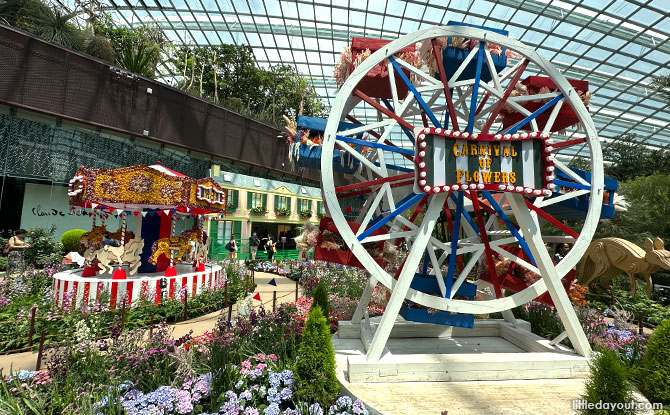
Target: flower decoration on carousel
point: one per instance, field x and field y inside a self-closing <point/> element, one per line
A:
<point x="169" y="191"/>
<point x="111" y="186"/>
<point x="140" y="183"/>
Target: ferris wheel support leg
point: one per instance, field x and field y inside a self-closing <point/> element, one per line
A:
<point x="405" y="278"/>
<point x="533" y="237"/>
<point x="365" y="301"/>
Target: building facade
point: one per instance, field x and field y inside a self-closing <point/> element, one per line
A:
<point x="267" y="207"/>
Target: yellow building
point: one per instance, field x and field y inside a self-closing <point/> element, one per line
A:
<point x="264" y="206"/>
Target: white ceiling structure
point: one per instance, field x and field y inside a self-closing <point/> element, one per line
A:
<point x="616" y="45"/>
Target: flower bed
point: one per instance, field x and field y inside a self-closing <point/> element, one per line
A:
<point x="31" y="289"/>
<point x="246" y="366"/>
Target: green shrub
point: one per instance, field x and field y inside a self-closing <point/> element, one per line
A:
<point x="609" y="382"/>
<point x="321" y="299"/>
<point x="315" y="366"/>
<point x="45" y="249"/>
<point x="3" y="263"/>
<point x="70" y="239"/>
<point x="656" y="374"/>
<point x="102" y="48"/>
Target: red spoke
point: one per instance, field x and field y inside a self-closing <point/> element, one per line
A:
<point x="503" y="100"/>
<point x="376" y="135"/>
<point x="557" y="223"/>
<point x="486" y="207"/>
<point x="569" y="143"/>
<point x="490" y="261"/>
<point x="424" y="119"/>
<point x="383" y="110"/>
<point x="370" y="183"/>
<point x="481" y="104"/>
<point x="445" y="83"/>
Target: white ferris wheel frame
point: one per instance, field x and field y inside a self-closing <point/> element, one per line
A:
<point x="527" y="219"/>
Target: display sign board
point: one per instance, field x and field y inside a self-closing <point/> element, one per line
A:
<point x="454" y="160"/>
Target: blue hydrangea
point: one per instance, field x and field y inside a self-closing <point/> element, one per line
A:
<point x="272" y="409"/>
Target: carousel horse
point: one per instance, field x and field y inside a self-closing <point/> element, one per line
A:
<point x="93" y="238"/>
<point x="107" y="255"/>
<point x="201" y="252"/>
<point x="181" y="244"/>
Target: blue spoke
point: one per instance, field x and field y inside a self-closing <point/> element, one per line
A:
<point x="475" y="89"/>
<point x="417" y="96"/>
<point x="394" y="167"/>
<point x="454" y="244"/>
<point x="509" y="224"/>
<point x="424" y="271"/>
<point x="514" y="128"/>
<point x="467" y="217"/>
<point x="403" y="207"/>
<point x="572" y="185"/>
<point x="375" y="144"/>
<point x="407" y="132"/>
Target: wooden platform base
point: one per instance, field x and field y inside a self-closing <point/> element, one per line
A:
<point x="419" y="352"/>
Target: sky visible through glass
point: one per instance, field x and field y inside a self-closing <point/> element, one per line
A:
<point x="616" y="45"/>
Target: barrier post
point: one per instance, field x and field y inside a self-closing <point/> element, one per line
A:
<point x="33" y="311"/>
<point x="40" y="351"/>
<point x="274" y="301"/>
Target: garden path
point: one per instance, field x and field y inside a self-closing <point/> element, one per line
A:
<point x="506" y="397"/>
<point x="285" y="293"/>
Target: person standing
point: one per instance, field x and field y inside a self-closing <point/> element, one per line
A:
<point x="232" y="249"/>
<point x="561" y="251"/>
<point x="270" y="248"/>
<point x="16" y="245"/>
<point x="253" y="245"/>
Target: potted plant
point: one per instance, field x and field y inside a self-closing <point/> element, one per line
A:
<point x="321" y="215"/>
<point x="305" y="214"/>
<point x="230" y="207"/>
<point x="258" y="210"/>
<point x="283" y="212"/>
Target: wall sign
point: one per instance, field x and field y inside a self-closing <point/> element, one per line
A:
<point x="454" y="160"/>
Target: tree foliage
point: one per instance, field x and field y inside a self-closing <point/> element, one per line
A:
<point x="53" y="24"/>
<point x="628" y="158"/>
<point x="647" y="215"/>
<point x="321" y="299"/>
<point x="609" y="382"/>
<point x="315" y="367"/>
<point x="229" y="75"/>
<point x="656" y="381"/>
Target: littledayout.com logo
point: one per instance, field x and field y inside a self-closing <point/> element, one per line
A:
<point x="611" y="406"/>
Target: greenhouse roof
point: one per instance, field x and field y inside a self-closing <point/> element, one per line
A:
<point x="616" y="45"/>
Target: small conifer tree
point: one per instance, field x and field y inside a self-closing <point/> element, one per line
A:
<point x="321" y="300"/>
<point x="609" y="383"/>
<point x="656" y="374"/>
<point x="316" y="381"/>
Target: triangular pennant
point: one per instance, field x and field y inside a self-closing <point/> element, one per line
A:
<point x="273" y="282"/>
<point x="166" y="212"/>
<point x="94" y="205"/>
<point x="90" y="214"/>
<point x="137" y="213"/>
<point x="144" y="214"/>
<point x="257" y="296"/>
<point x="348" y="209"/>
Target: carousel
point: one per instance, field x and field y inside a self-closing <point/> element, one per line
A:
<point x="147" y="260"/>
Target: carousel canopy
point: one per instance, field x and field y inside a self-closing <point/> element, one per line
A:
<point x="142" y="187"/>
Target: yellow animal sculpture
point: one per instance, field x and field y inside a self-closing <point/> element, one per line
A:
<point x="608" y="257"/>
<point x="130" y="253"/>
<point x="181" y="244"/>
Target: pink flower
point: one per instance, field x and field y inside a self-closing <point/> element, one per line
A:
<point x="272" y="357"/>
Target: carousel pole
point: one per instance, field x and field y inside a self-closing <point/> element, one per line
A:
<point x="171" y="271"/>
<point x="89" y="269"/>
<point x="120" y="273"/>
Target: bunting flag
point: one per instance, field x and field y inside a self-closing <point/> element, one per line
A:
<point x="348" y="209"/>
<point x="137" y="213"/>
<point x="94" y="205"/>
<point x="273" y="282"/>
<point x="166" y="212"/>
<point x="257" y="296"/>
<point x="144" y="214"/>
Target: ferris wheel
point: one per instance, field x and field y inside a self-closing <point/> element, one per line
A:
<point x="464" y="168"/>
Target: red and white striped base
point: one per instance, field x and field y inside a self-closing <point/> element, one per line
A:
<point x="70" y="289"/>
